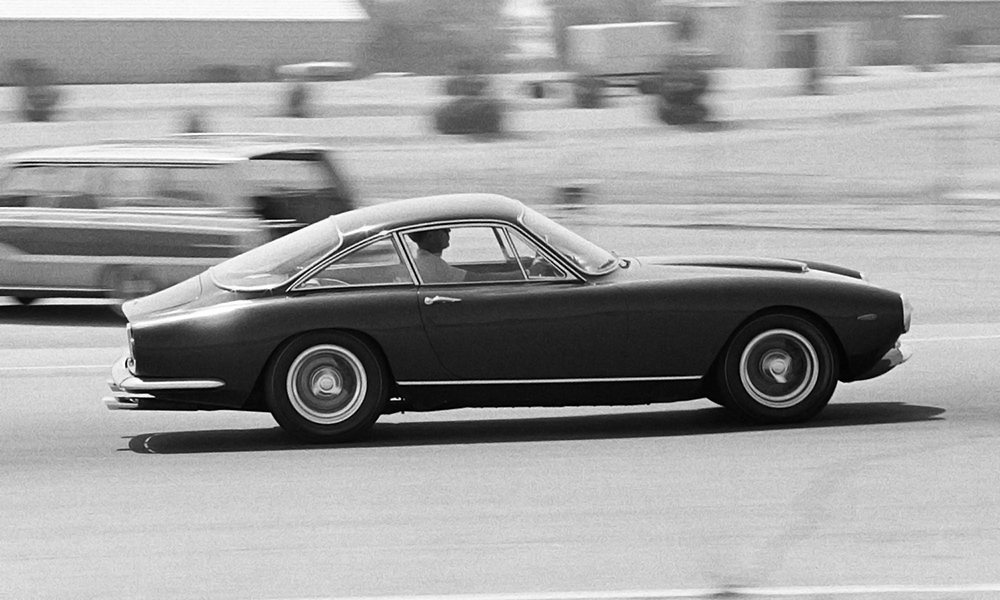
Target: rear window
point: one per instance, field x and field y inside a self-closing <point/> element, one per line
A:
<point x="302" y="172"/>
<point x="275" y="263"/>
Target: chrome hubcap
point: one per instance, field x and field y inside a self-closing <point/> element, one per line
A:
<point x="779" y="368"/>
<point x="776" y="364"/>
<point x="326" y="384"/>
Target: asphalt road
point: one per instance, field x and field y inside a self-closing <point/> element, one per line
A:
<point x="893" y="485"/>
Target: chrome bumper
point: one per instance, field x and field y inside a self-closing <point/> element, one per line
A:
<point x="892" y="359"/>
<point x="128" y="392"/>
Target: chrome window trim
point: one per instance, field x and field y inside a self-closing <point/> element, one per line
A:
<point x="10" y="290"/>
<point x="112" y="259"/>
<point x="540" y="381"/>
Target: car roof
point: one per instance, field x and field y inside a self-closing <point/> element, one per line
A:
<point x="371" y="220"/>
<point x="200" y="148"/>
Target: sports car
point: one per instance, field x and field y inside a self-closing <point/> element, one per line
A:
<point x="476" y="300"/>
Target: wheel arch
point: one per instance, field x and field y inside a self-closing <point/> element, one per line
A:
<point x="836" y="345"/>
<point x="255" y="401"/>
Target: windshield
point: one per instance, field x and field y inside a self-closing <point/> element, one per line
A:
<point x="277" y="262"/>
<point x="587" y="256"/>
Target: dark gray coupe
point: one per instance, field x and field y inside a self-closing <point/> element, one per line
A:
<point x="477" y="300"/>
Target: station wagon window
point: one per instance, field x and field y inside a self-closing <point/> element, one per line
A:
<point x="291" y="171"/>
<point x="377" y="263"/>
<point x="53" y="186"/>
<point x="167" y="186"/>
<point x="295" y="186"/>
<point x="470" y="253"/>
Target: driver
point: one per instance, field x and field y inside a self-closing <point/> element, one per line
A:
<point x="434" y="269"/>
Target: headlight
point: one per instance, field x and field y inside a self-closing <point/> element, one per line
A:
<point x="907" y="312"/>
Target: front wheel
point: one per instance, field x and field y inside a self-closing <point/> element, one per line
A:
<point x="779" y="368"/>
<point x="326" y="387"/>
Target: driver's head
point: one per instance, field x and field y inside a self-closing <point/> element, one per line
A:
<point x="432" y="240"/>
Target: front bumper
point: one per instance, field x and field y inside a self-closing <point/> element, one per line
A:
<point x="892" y="359"/>
<point x="130" y="392"/>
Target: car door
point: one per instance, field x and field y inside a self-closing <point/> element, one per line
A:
<point x="514" y="321"/>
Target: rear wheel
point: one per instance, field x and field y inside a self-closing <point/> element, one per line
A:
<point x="588" y="92"/>
<point x="779" y="368"/>
<point x="326" y="387"/>
<point x="25" y="300"/>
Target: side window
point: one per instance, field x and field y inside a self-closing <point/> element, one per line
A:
<point x="298" y="187"/>
<point x="53" y="186"/>
<point x="168" y="186"/>
<point x="537" y="265"/>
<point x="463" y="254"/>
<point x="377" y="263"/>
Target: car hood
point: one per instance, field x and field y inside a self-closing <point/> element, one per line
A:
<point x="196" y="292"/>
<point x="749" y="263"/>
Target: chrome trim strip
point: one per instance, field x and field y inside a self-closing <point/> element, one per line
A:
<point x="102" y="259"/>
<point x="77" y="225"/>
<point x="120" y="404"/>
<point x="134" y="384"/>
<point x="11" y="290"/>
<point x="570" y="380"/>
<point x="119" y="394"/>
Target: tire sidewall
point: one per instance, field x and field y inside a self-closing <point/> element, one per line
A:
<point x="737" y="396"/>
<point x="276" y="394"/>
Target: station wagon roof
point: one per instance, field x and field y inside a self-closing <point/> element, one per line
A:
<point x="364" y="222"/>
<point x="174" y="149"/>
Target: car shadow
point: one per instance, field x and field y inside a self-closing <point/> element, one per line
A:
<point x="672" y="423"/>
<point x="91" y="315"/>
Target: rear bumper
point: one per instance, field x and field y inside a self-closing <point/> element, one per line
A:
<point x="892" y="359"/>
<point x="129" y="392"/>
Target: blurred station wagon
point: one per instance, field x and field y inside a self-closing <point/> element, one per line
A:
<point x="124" y="219"/>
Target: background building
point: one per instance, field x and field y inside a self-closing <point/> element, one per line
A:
<point x="128" y="41"/>
<point x="782" y="33"/>
<point x="160" y="41"/>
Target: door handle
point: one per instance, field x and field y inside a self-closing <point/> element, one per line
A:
<point x="440" y="300"/>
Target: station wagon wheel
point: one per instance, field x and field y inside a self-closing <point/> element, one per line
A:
<point x="326" y="387"/>
<point x="25" y="300"/>
<point x="779" y="368"/>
